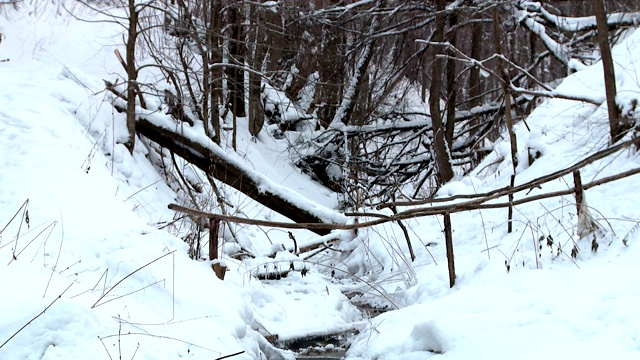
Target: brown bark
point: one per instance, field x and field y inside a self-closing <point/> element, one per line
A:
<point x="227" y="172"/>
<point x="475" y="89"/>
<point x="445" y="170"/>
<point x="209" y="49"/>
<point x="131" y="75"/>
<point x="218" y="269"/>
<point x="237" y="51"/>
<point x="206" y="73"/>
<point x="617" y="126"/>
<point x="510" y="209"/>
<point x="352" y="95"/>
<point x="506" y="81"/>
<point x="213" y="238"/>
<point x="255" y="59"/>
<point x="215" y="49"/>
<point x="284" y="225"/>
<point x="478" y="204"/>
<point x="451" y="83"/>
<point x="331" y="68"/>
<point x="448" y="236"/>
<point x="586" y="225"/>
<point x="577" y="180"/>
<point x="406" y="235"/>
<point x="504" y="73"/>
<point x="536" y="183"/>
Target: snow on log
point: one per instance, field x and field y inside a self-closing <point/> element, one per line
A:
<point x="207" y="156"/>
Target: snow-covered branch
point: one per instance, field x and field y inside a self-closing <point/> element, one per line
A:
<point x="581" y="23"/>
<point x="209" y="157"/>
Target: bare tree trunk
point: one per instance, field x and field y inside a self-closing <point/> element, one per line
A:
<point x="443" y="161"/>
<point x="352" y="92"/>
<point x="448" y="236"/>
<point x="474" y="73"/>
<point x="331" y="69"/>
<point x="255" y="58"/>
<point x="206" y="71"/>
<point x="617" y="125"/>
<point x="236" y="57"/>
<point x="451" y="83"/>
<point x="215" y="49"/>
<point x="132" y="75"/>
<point x="504" y="73"/>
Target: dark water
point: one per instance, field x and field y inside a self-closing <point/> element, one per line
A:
<point x="329" y="346"/>
<point x="321" y="347"/>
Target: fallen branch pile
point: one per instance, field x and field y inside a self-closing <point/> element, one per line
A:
<point x="478" y="202"/>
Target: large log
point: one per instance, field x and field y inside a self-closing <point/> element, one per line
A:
<point x="227" y="172"/>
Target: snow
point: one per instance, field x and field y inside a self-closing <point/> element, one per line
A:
<point x="515" y="295"/>
<point x="59" y="149"/>
<point x="560" y="51"/>
<point x="120" y="286"/>
<point x="266" y="183"/>
<point x="500" y="316"/>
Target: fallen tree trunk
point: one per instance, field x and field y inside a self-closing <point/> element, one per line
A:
<point x="230" y="174"/>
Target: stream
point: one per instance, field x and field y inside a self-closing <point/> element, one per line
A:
<point x="330" y="346"/>
<point x="321" y="347"/>
<point x="313" y="315"/>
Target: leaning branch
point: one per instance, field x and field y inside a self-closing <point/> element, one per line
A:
<point x="477" y="204"/>
<point x="526" y="186"/>
<point x="581" y="23"/>
<point x="315" y="227"/>
<point x="296" y="208"/>
<point x="35" y="317"/>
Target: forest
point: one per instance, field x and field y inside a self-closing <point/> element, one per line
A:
<point x="227" y="178"/>
<point x="382" y="102"/>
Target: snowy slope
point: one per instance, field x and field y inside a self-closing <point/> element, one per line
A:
<point x="92" y="247"/>
<point x="548" y="305"/>
<point x="92" y="212"/>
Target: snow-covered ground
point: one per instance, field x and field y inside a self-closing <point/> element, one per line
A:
<point x="546" y="304"/>
<point x="122" y="287"/>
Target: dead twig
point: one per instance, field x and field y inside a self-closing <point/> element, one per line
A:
<point x="35" y="317"/>
<point x="126" y="277"/>
<point x="230" y="355"/>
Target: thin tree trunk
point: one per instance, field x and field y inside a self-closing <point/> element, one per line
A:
<point x="215" y="57"/>
<point x="352" y="92"/>
<point x="586" y="225"/>
<point x="206" y="81"/>
<point x="451" y="84"/>
<point x="131" y="75"/>
<point x="255" y="58"/>
<point x="448" y="236"/>
<point x="236" y="57"/>
<point x="617" y="126"/>
<point x="445" y="170"/>
<point x="331" y="68"/>
<point x="474" y="73"/>
<point x="507" y="113"/>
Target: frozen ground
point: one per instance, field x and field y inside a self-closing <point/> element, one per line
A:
<point x="124" y="288"/>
